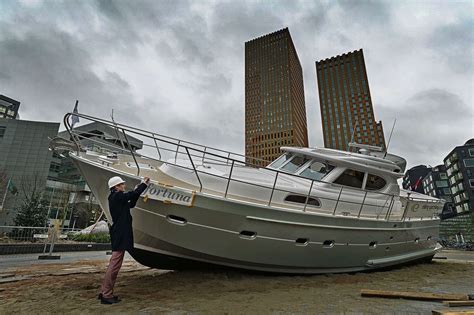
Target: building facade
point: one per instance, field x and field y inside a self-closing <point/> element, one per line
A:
<point x="346" y="104"/>
<point x="459" y="165"/>
<point x="275" y="111"/>
<point x="25" y="160"/>
<point x="413" y="178"/>
<point x="8" y="107"/>
<point x="435" y="184"/>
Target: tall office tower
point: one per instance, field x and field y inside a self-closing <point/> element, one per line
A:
<point x="275" y="112"/>
<point x="345" y="101"/>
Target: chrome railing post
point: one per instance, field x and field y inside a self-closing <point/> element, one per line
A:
<point x="362" y="204"/>
<point x="176" y="153"/>
<point x="131" y="151"/>
<point x="228" y="181"/>
<point x="71" y="132"/>
<point x="406" y="208"/>
<point x="273" y="188"/>
<point x="156" y="145"/>
<point x="389" y="209"/>
<point x="203" y="155"/>
<point x="337" y="201"/>
<point x="194" y="168"/>
<point x="307" y="197"/>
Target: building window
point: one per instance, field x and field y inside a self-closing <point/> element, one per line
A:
<point x="446" y="191"/>
<point x="471" y="183"/>
<point x="441" y="183"/>
<point x="469" y="162"/>
<point x="2" y="131"/>
<point x="471" y="151"/>
<point x="443" y="176"/>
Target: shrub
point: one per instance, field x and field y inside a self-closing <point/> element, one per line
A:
<point x="92" y="238"/>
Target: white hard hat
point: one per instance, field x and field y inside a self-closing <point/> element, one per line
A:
<point x="114" y="181"/>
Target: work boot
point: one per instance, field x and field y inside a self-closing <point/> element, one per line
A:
<point x="115" y="297"/>
<point x="111" y="300"/>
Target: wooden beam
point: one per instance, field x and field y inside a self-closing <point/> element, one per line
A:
<point x="453" y="312"/>
<point x="425" y="296"/>
<point x="458" y="303"/>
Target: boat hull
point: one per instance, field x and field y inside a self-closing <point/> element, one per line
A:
<point x="237" y="234"/>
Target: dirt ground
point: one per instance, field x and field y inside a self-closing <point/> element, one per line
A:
<point x="73" y="287"/>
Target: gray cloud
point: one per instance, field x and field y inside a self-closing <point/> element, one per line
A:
<point x="177" y="67"/>
<point x="429" y="125"/>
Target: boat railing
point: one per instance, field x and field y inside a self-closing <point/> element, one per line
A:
<point x="178" y="152"/>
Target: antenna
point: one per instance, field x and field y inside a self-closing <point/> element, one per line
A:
<point x="353" y="133"/>
<point x="390" y="138"/>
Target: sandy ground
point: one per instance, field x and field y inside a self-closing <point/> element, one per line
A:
<point x="72" y="287"/>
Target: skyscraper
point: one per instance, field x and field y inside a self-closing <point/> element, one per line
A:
<point x="345" y="101"/>
<point x="275" y="111"/>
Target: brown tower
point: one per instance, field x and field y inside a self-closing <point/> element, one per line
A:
<point x="275" y="112"/>
<point x="345" y="101"/>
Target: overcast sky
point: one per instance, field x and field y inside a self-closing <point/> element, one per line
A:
<point x="177" y="67"/>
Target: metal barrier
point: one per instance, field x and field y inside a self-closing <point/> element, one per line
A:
<point x="177" y="149"/>
<point x="30" y="239"/>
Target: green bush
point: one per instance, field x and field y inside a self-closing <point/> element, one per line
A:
<point x="92" y="238"/>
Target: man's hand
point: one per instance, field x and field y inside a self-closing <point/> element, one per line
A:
<point x="146" y="180"/>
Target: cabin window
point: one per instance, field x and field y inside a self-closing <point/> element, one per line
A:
<point x="294" y="164"/>
<point x="280" y="161"/>
<point x="375" y="182"/>
<point x="316" y="170"/>
<point x="351" y="178"/>
<point x="302" y="199"/>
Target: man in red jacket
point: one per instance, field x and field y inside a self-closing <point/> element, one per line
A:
<point x="121" y="233"/>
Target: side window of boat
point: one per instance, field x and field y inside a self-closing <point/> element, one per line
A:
<point x="351" y="178"/>
<point x="316" y="170"/>
<point x="302" y="199"/>
<point x="375" y="182"/>
<point x="294" y="164"/>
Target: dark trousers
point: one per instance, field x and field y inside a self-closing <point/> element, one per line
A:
<point x="113" y="269"/>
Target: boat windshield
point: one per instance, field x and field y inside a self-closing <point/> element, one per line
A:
<point x="295" y="163"/>
<point x="280" y="161"/>
<point x="316" y="170"/>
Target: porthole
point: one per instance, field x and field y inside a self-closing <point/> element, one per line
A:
<point x="302" y="200"/>
<point x="176" y="219"/>
<point x="391" y="237"/>
<point x="373" y="245"/>
<point x="428" y="238"/>
<point x="248" y="235"/>
<point x="387" y="249"/>
<point x="417" y="240"/>
<point x="301" y="241"/>
<point x="328" y="244"/>
<point x="394" y="225"/>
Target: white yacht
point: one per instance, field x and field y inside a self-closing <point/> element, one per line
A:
<point x="312" y="210"/>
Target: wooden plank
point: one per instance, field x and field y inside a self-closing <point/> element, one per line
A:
<point x="458" y="303"/>
<point x="453" y="312"/>
<point x="425" y="296"/>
